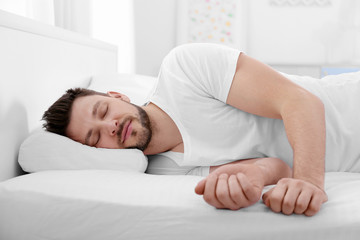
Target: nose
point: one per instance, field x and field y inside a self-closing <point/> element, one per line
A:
<point x="112" y="127"/>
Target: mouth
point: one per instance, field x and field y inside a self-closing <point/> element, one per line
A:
<point x="126" y="132"/>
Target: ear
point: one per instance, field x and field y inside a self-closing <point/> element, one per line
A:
<point x="118" y="95"/>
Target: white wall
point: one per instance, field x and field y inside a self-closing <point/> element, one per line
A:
<point x="155" y="32"/>
<point x="112" y="21"/>
<point x="303" y="34"/>
<point x="297" y="35"/>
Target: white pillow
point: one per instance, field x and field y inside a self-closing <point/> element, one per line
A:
<point x="43" y="150"/>
<point x="138" y="88"/>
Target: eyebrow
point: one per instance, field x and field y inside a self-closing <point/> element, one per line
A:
<point x="94" y="112"/>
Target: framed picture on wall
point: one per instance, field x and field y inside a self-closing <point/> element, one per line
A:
<point x="215" y="21"/>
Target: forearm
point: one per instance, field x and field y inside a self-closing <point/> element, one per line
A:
<point x="271" y="169"/>
<point x="305" y="126"/>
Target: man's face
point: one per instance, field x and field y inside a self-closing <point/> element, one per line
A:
<point x="108" y="122"/>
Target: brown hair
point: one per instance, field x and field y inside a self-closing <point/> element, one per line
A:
<point x="57" y="117"/>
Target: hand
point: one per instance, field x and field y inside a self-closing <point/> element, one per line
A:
<point x="240" y="188"/>
<point x="295" y="196"/>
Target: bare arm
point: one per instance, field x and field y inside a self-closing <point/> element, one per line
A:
<point x="240" y="184"/>
<point x="272" y="169"/>
<point x="260" y="90"/>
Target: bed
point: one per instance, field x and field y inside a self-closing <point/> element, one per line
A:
<point x="39" y="62"/>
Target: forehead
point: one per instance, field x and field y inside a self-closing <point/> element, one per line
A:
<point x="86" y="102"/>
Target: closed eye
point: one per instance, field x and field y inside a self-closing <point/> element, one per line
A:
<point x="98" y="140"/>
<point x="105" y="112"/>
<point x="103" y="116"/>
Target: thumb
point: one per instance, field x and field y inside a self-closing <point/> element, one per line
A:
<point x="200" y="187"/>
<point x="266" y="196"/>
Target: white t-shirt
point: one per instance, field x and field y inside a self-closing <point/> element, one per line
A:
<point x="194" y="82"/>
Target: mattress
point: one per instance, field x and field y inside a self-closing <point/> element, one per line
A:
<point x="102" y="204"/>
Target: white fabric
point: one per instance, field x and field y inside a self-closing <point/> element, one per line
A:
<point x="193" y="85"/>
<point x="43" y="150"/>
<point x="137" y="87"/>
<point x="165" y="164"/>
<point x="108" y="205"/>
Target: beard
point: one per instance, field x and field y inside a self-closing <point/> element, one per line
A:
<point x="143" y="135"/>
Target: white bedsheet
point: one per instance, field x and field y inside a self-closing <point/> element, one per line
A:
<point x="99" y="204"/>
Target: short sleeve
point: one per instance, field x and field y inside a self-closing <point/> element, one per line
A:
<point x="209" y="67"/>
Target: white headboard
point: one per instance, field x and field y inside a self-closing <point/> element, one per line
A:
<point x="38" y="62"/>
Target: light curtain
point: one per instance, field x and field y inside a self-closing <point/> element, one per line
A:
<point x="107" y="20"/>
<point x="40" y="10"/>
<point x="74" y="15"/>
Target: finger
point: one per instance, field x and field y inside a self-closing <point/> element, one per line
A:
<point x="276" y="197"/>
<point x="318" y="198"/>
<point x="302" y="202"/>
<point x="290" y="198"/>
<point x="209" y="193"/>
<point x="223" y="194"/>
<point x="266" y="197"/>
<point x="200" y="187"/>
<point x="236" y="193"/>
<point x="251" y="193"/>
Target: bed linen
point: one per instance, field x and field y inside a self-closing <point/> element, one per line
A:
<point x="104" y="204"/>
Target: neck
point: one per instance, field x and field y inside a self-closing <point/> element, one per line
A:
<point x="165" y="134"/>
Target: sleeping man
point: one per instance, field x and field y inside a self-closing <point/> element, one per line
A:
<point x="215" y="106"/>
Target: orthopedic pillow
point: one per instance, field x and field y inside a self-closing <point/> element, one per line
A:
<point x="43" y="150"/>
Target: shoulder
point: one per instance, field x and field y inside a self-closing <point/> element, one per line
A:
<point x="199" y="47"/>
<point x="199" y="52"/>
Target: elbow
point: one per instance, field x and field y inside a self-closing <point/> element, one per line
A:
<point x="320" y="104"/>
<point x="315" y="105"/>
<point x="303" y="102"/>
<point x="311" y="98"/>
<point x="315" y="100"/>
